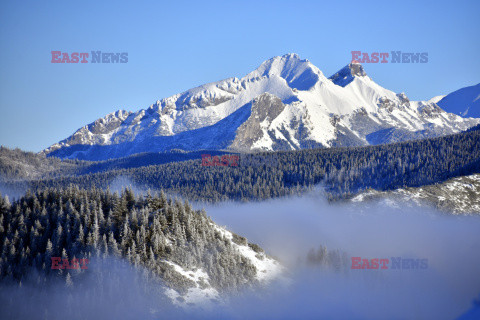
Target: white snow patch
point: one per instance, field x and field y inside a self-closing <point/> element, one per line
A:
<point x="202" y="295"/>
<point x="268" y="269"/>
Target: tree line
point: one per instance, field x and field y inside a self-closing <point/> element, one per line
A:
<point x="343" y="172"/>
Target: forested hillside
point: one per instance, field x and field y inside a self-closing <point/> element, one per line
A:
<point x="166" y="237"/>
<point x="458" y="195"/>
<point x="343" y="171"/>
<point x="16" y="164"/>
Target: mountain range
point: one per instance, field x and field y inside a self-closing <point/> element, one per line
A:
<point x="287" y="103"/>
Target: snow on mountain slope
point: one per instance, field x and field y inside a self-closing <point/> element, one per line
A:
<point x="457" y="195"/>
<point x="464" y="102"/>
<point x="286" y="103"/>
<point x="436" y="99"/>
<point x="203" y="295"/>
<point x="268" y="269"/>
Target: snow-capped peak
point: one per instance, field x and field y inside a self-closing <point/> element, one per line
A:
<point x="299" y="74"/>
<point x="348" y="73"/>
<point x="286" y="103"/>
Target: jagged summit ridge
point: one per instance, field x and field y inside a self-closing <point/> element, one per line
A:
<point x="299" y="74"/>
<point x="348" y="73"/>
<point x="286" y="103"/>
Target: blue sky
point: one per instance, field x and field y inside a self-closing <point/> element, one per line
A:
<point x="179" y="45"/>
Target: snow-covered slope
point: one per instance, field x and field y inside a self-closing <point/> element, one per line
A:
<point x="436" y="99"/>
<point x="286" y="103"/>
<point x="457" y="195"/>
<point x="203" y="294"/>
<point x="464" y="102"/>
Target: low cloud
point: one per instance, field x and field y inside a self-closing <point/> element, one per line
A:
<point x="289" y="228"/>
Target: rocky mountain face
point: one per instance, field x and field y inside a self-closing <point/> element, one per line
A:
<point x="285" y="104"/>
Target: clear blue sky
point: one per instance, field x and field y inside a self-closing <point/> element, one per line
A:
<point x="177" y="46"/>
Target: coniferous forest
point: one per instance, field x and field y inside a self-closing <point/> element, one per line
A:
<point x="147" y="231"/>
<point x="342" y="172"/>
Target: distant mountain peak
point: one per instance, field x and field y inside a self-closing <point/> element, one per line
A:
<point x="299" y="73"/>
<point x="464" y="102"/>
<point x="348" y="73"/>
<point x="291" y="56"/>
<point x="356" y="69"/>
<point x="285" y="104"/>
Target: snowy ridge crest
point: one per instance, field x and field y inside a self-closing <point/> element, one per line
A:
<point x="347" y="109"/>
